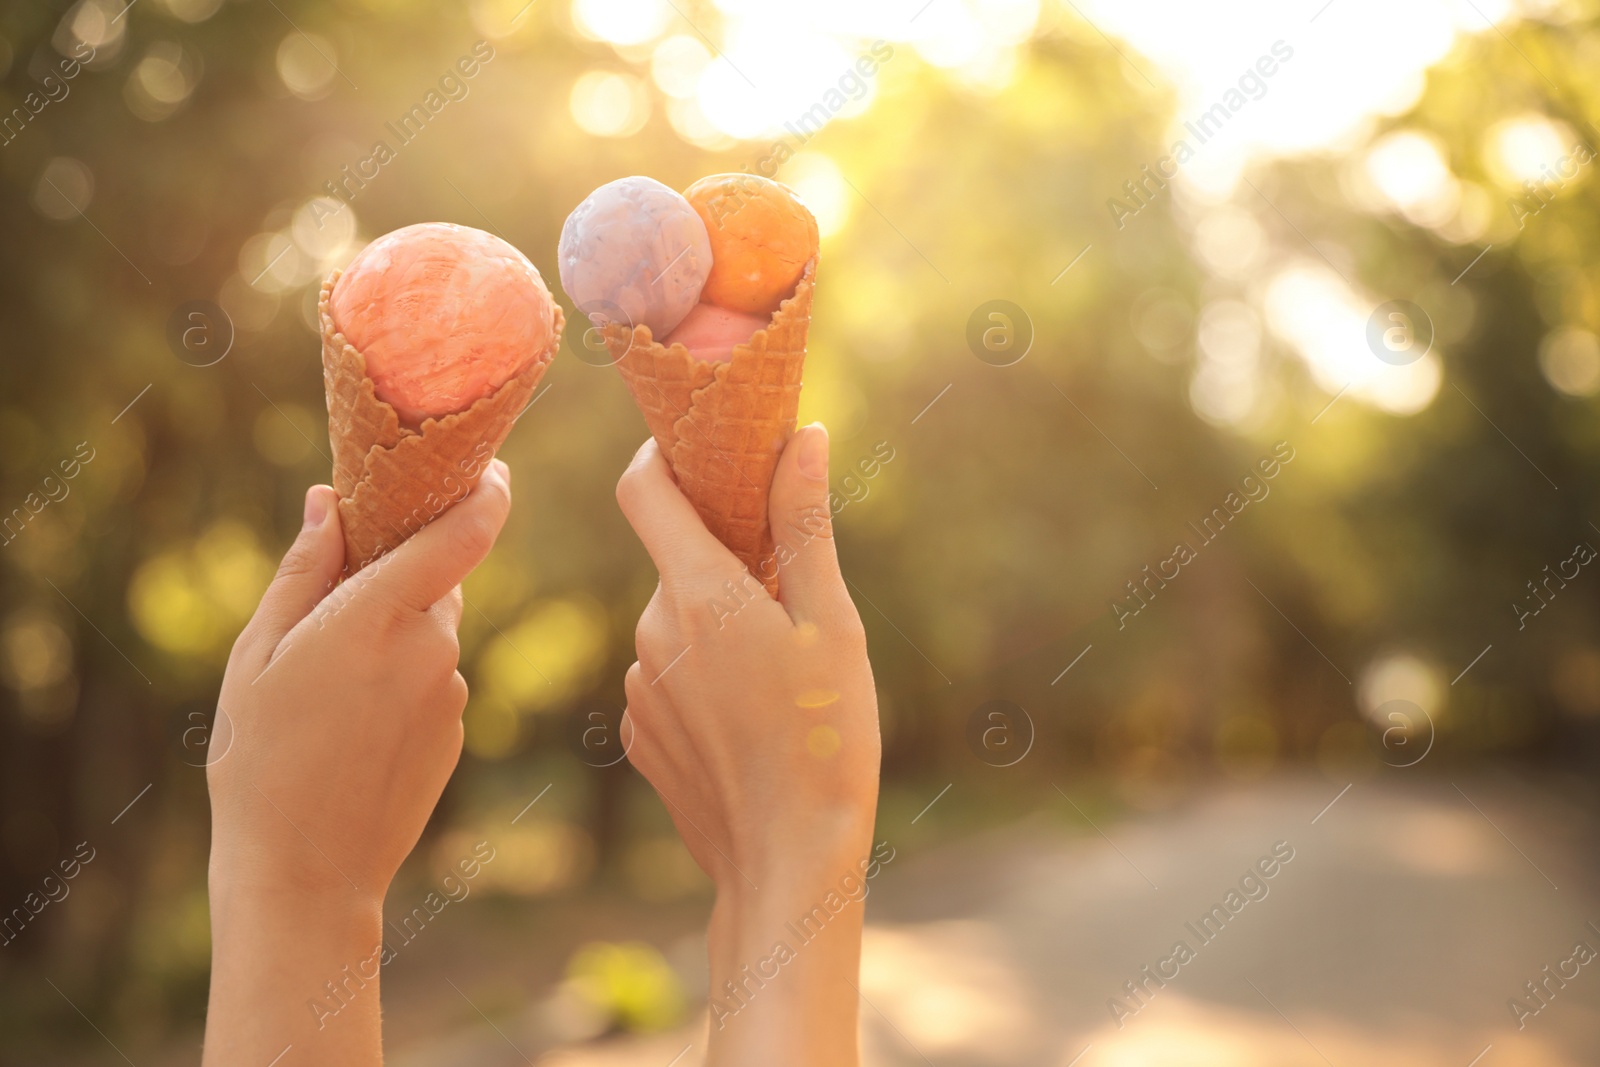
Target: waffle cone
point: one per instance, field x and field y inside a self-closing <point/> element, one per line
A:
<point x="723" y="426"/>
<point x="393" y="480"/>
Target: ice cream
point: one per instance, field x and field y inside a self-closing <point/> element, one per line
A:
<point x="433" y="342"/>
<point x="761" y="238"/>
<point x="710" y="333"/>
<point x="704" y="302"/>
<point x="444" y="315"/>
<point x="635" y="253"/>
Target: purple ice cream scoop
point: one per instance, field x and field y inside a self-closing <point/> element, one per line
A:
<point x="634" y="252"/>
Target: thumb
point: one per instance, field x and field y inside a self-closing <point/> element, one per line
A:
<point x="424" y="569"/>
<point x="674" y="535"/>
<point x="809" y="583"/>
<point x="306" y="575"/>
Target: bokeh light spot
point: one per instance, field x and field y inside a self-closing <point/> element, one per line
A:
<point x="608" y="104"/>
<point x="1399" y="676"/>
<point x="1409" y="169"/>
<point x="192" y="10"/>
<point x="307" y="65"/>
<point x="677" y="63"/>
<point x="1570" y="360"/>
<point x="160" y="82"/>
<point x="548" y="657"/>
<point x="1521" y="149"/>
<point x="35" y="651"/>
<point x="65" y="187"/>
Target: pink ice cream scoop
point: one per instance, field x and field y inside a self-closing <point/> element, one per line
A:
<point x="634" y="252"/>
<point x="710" y="333"/>
<point x="444" y="315"/>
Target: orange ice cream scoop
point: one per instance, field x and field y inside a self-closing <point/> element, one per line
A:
<point x="710" y="333"/>
<point x="444" y="315"/>
<point x="761" y="238"/>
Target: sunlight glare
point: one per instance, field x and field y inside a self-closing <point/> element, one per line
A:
<point x="1409" y="169"/>
<point x="1521" y="149"/>
<point x="622" y="22"/>
<point x="818" y="181"/>
<point x="1310" y="307"/>
<point x="775" y="73"/>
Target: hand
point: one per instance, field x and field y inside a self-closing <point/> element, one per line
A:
<point x="756" y="721"/>
<point x="338" y="725"/>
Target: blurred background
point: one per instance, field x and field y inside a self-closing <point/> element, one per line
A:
<point x="1308" y="289"/>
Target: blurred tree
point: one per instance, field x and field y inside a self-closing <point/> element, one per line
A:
<point x="184" y="163"/>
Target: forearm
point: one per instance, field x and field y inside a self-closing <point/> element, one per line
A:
<point x="785" y="961"/>
<point x="293" y="972"/>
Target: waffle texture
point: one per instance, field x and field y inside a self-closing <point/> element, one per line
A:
<point x="393" y="480"/>
<point x="722" y="426"/>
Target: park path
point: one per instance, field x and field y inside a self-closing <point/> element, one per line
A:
<point x="1411" y="912"/>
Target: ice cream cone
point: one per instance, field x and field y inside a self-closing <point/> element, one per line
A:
<point x="393" y="480"/>
<point x="723" y="426"/>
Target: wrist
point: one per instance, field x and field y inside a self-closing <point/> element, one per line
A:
<point x="802" y="859"/>
<point x="256" y="878"/>
<point x="273" y="918"/>
<point x="792" y="898"/>
<point x="784" y="961"/>
<point x="292" y="967"/>
<point x="279" y="904"/>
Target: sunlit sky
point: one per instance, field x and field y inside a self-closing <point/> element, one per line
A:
<point x="1352" y="59"/>
<point x="1317" y="77"/>
<point x="1352" y="64"/>
<point x="1338" y="68"/>
<point x="751" y="71"/>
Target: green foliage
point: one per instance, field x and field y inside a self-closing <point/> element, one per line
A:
<point x="984" y="557"/>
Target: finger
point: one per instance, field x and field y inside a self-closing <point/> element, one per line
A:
<point x="449" y="608"/>
<point x="809" y="583"/>
<point x="646" y="741"/>
<point x="445" y="616"/>
<point x="455" y="703"/>
<point x="672" y="532"/>
<point x="306" y="575"/>
<point x="433" y="562"/>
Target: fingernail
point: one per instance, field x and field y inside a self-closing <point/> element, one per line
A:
<point x="814" y="452"/>
<point x="502" y="473"/>
<point x="643" y="453"/>
<point x="316" y="507"/>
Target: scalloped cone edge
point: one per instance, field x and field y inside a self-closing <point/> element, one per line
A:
<point x="722" y="426"/>
<point x="392" y="480"/>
